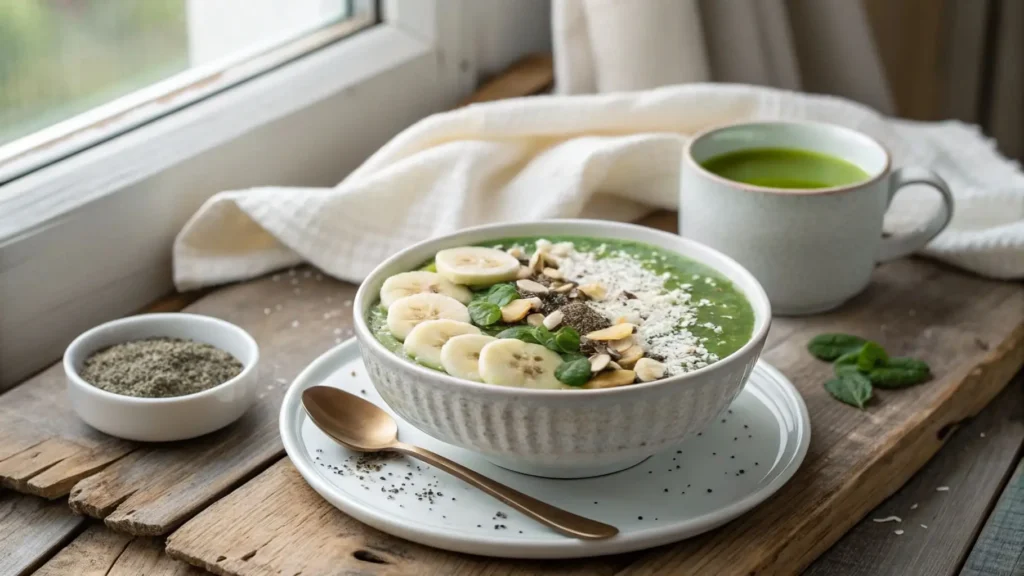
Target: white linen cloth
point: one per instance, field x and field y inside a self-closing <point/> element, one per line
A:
<point x="613" y="156"/>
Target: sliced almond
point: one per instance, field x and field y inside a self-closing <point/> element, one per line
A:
<point x="543" y="245"/>
<point x="524" y="272"/>
<point x="563" y="288"/>
<point x="551" y="259"/>
<point x="535" y="303"/>
<point x="648" y="369"/>
<point x="614" y="332"/>
<point x="516" y="252"/>
<point x="553" y="320"/>
<point x="622" y="345"/>
<point x="515" y="310"/>
<point x="611" y="379"/>
<point x="562" y="248"/>
<point x="536" y="263"/>
<point x="614" y="365"/>
<point x="535" y="319"/>
<point x="552" y="273"/>
<point x="599" y="362"/>
<point x="531" y="286"/>
<point x="594" y="291"/>
<point x="631" y="356"/>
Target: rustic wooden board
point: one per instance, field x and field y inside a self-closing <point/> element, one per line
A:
<point x="150" y="489"/>
<point x="31" y="530"/>
<point x="102" y="552"/>
<point x="975" y="464"/>
<point x="999" y="550"/>
<point x="288" y="529"/>
<point x="970" y="330"/>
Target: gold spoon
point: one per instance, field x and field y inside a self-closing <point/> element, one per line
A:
<point x="362" y="426"/>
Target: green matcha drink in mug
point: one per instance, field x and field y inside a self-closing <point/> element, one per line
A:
<point x="800" y="205"/>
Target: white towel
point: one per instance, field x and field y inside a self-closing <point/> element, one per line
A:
<point x="613" y="156"/>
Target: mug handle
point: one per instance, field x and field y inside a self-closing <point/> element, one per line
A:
<point x="900" y="245"/>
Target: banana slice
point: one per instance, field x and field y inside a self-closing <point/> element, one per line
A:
<point x="424" y="342"/>
<point x="510" y="362"/>
<point x="405" y="313"/>
<point x="476" y="266"/>
<point x="419" y="282"/>
<point x="460" y="355"/>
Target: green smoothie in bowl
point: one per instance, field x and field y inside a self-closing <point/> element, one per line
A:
<point x="567" y="312"/>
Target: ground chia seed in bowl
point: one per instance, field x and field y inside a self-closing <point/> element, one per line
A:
<point x="159" y="368"/>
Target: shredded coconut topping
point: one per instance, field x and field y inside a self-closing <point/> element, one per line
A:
<point x="639" y="295"/>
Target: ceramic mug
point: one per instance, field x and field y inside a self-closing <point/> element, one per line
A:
<point x="811" y="249"/>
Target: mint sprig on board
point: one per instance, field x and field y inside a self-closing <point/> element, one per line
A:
<point x="861" y="364"/>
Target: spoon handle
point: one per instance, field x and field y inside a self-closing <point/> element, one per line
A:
<point x="561" y="520"/>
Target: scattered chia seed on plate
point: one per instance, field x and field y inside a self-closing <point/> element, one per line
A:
<point x="159" y="368"/>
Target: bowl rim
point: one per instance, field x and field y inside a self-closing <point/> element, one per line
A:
<point x="159" y="317"/>
<point x="758" y="300"/>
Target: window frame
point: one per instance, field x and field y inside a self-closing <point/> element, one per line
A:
<point x="87" y="239"/>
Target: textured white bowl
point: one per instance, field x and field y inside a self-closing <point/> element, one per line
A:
<point x="560" y="433"/>
<point x="163" y="419"/>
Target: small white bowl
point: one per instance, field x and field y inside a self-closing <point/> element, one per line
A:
<point x="560" y="433"/>
<point x="163" y="419"/>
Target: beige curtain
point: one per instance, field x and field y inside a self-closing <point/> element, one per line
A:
<point x="919" y="59"/>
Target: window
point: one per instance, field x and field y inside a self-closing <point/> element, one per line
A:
<point x="87" y="220"/>
<point x="76" y="72"/>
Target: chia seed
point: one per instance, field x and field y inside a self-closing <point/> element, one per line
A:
<point x="159" y="368"/>
<point x="583" y="318"/>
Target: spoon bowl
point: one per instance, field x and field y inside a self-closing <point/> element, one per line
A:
<point x="351" y="421"/>
<point x="364" y="427"/>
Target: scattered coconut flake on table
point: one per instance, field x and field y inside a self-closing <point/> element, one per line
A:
<point x="923" y="526"/>
<point x="942" y="489"/>
<point x="889" y="519"/>
<point x="898" y="532"/>
<point x="913" y="506"/>
<point x="982" y="434"/>
<point x="266" y="311"/>
<point x="295" y="323"/>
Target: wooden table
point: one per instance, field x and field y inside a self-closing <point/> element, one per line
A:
<point x="77" y="502"/>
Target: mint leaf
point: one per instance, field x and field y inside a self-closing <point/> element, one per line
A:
<point x="567" y="339"/>
<point x="871" y="355"/>
<point x="484" y="313"/>
<point x="847" y="361"/>
<point x="545" y="338"/>
<point x="524" y="333"/>
<point x="850" y="388"/>
<point x="501" y="294"/>
<point x="828" y="347"/>
<point x="899" y="373"/>
<point x="574" y="373"/>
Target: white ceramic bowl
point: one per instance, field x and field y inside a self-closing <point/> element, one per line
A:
<point x="560" y="433"/>
<point x="163" y="419"/>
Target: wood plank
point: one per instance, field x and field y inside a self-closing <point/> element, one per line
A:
<point x="102" y="552"/>
<point x="970" y="330"/>
<point x="276" y="524"/>
<point x="31" y="530"/>
<point x="999" y="550"/>
<point x="939" y="528"/>
<point x="531" y="75"/>
<point x="856" y="459"/>
<point x="150" y="489"/>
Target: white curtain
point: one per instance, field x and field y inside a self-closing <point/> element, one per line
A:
<point x="817" y="46"/>
<point x="822" y="46"/>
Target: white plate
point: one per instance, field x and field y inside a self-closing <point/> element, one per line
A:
<point x="742" y="459"/>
